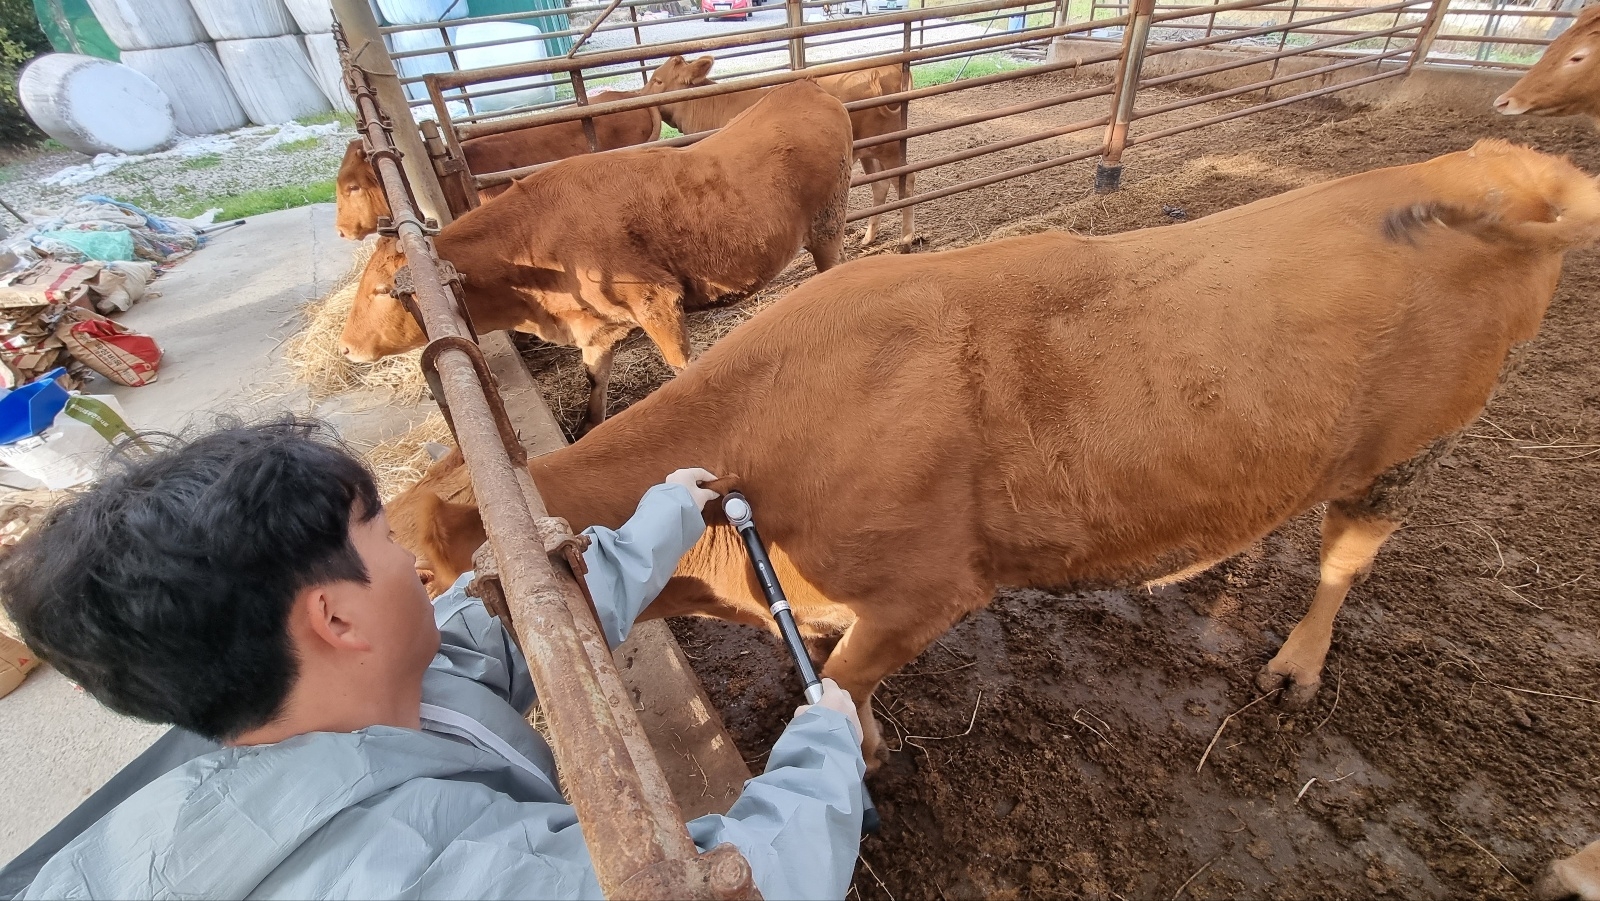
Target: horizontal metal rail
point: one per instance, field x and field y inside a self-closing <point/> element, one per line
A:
<point x="1260" y="108"/>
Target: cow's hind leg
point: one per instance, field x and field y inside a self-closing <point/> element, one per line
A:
<point x="1349" y="544"/>
<point x="887" y="636"/>
<point x="880" y="196"/>
<point x="598" y="352"/>
<point x="1353" y="529"/>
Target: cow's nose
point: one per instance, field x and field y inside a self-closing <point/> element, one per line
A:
<point x="1502" y="102"/>
<point x="346" y="351"/>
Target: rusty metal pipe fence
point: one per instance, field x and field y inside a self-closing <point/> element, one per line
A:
<point x="633" y="827"/>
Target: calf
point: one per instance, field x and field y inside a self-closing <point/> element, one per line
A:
<point x="359" y="202"/>
<point x="1566" y="79"/>
<point x="1577" y="876"/>
<point x="1071" y="412"/>
<point x="586" y="250"/>
<point x="707" y="113"/>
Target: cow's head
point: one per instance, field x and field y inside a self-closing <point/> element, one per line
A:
<point x="678" y="73"/>
<point x="441" y="534"/>
<point x="1566" y="80"/>
<point x="357" y="199"/>
<point x="379" y="324"/>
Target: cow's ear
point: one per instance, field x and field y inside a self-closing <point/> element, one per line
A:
<point x="701" y="67"/>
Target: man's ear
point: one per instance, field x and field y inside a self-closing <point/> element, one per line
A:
<point x="328" y="614"/>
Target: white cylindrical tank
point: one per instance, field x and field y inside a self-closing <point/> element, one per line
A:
<point x="237" y="20"/>
<point x="148" y="24"/>
<point x="517" y="43"/>
<point x="272" y="78"/>
<point x="417" y="12"/>
<point x="203" y="101"/>
<point x="324" y="56"/>
<point x="96" y="106"/>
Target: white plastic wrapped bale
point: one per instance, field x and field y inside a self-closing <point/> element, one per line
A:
<point x="411" y="67"/>
<point x="203" y="102"/>
<point x="96" y="106"/>
<point x="313" y="16"/>
<point x="325" y="66"/>
<point x="148" y="24"/>
<point x="519" y="43"/>
<point x="237" y="20"/>
<point x="272" y="78"/>
<point x="418" y="12"/>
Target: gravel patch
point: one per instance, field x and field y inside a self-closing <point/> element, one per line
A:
<point x="177" y="181"/>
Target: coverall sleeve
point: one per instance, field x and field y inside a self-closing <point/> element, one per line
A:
<point x="629" y="567"/>
<point x="798" y="823"/>
<point x="475" y="644"/>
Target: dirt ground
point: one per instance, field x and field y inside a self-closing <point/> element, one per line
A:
<point x="1050" y="745"/>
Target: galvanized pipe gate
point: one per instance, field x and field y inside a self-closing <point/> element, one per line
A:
<point x="632" y="825"/>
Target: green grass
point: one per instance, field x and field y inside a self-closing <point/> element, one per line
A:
<point x="297" y="146"/>
<point x="345" y="119"/>
<point x="208" y="161"/>
<point x="949" y="70"/>
<point x="254" y="203"/>
<point x="668" y="131"/>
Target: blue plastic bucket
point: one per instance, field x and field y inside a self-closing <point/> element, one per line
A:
<point x="31" y="409"/>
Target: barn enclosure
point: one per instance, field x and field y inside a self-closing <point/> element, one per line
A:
<point x="1093" y="87"/>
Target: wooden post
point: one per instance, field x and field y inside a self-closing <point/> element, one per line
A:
<point x="1430" y="30"/>
<point x="368" y="52"/>
<point x="797" y="45"/>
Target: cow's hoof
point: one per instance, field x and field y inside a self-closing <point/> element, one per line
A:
<point x="868" y="239"/>
<point x="1297" y="686"/>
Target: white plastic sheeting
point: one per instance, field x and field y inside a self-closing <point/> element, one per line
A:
<point x="313" y="16"/>
<point x="203" y="102"/>
<point x="95" y="105"/>
<point x="417" y="12"/>
<point x="426" y="39"/>
<point x="325" y="67"/>
<point x="272" y="78"/>
<point x="148" y="24"/>
<point x="234" y="20"/>
<point x="520" y="43"/>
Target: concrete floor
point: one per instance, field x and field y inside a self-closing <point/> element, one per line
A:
<point x="221" y="320"/>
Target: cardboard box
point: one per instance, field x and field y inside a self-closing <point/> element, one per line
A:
<point x="16" y="661"/>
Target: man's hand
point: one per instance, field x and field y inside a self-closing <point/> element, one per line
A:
<point x="691" y="479"/>
<point x="836" y="698"/>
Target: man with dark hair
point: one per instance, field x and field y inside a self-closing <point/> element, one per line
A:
<point x="245" y="586"/>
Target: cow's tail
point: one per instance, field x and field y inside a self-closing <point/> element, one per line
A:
<point x="1503" y="193"/>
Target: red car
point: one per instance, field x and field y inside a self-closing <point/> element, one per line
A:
<point x="725" y="9"/>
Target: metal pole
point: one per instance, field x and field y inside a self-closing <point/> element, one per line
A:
<point x="1135" y="37"/>
<point x="368" y="53"/>
<point x="797" y="44"/>
<point x="1430" y="30"/>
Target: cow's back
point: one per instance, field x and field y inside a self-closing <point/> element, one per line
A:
<point x="1107" y="410"/>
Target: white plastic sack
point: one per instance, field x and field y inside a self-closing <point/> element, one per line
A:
<point x="325" y="67"/>
<point x="203" y="102"/>
<point x="96" y="106"/>
<point x="148" y="24"/>
<point x="411" y="67"/>
<point x="272" y="78"/>
<point x="520" y="43"/>
<point x="417" y="12"/>
<point x="313" y="16"/>
<point x="236" y="20"/>
<point x="72" y="451"/>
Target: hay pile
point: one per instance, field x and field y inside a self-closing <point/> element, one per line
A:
<point x="398" y="463"/>
<point x="314" y="358"/>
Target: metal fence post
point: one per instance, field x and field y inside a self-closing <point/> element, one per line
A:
<point x="797" y="45"/>
<point x="1056" y="51"/>
<point x="368" y="52"/>
<point x="1135" y="37"/>
<point x="1430" y="30"/>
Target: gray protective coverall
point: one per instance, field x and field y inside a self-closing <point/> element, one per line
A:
<point x="468" y="807"/>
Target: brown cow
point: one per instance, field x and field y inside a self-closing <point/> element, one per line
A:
<point x="1062" y="411"/>
<point x="1566" y="79"/>
<point x="1577" y="876"/>
<point x="583" y="252"/>
<point x="693" y="116"/>
<point x="358" y="201"/>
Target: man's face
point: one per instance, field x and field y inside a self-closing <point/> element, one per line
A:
<point x="395" y="613"/>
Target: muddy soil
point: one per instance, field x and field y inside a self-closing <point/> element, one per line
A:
<point x="1051" y="744"/>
